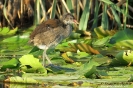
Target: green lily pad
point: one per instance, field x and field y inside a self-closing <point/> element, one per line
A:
<point x="123" y="58"/>
<point x="101" y="33"/>
<point x="125" y="44"/>
<point x="101" y="42"/>
<point x="12" y="64"/>
<point x="4" y="31"/>
<point x="31" y="64"/>
<point x="16" y="45"/>
<point x="17" y="39"/>
<point x="88" y="69"/>
<point x="18" y="79"/>
<point x="128" y="56"/>
<point x="126" y="34"/>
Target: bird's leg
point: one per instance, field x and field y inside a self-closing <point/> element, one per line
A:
<point x="48" y="59"/>
<point x="44" y="54"/>
<point x="45" y="57"/>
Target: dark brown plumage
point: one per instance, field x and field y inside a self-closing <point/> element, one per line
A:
<point x="51" y="32"/>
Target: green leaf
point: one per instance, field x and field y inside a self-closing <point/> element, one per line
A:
<point x="4" y="31"/>
<point x="103" y="74"/>
<point x="26" y="80"/>
<point x="128" y="56"/>
<point x="119" y="59"/>
<point x="101" y="33"/>
<point x="85" y="16"/>
<point x="13" y="31"/>
<point x="88" y="69"/>
<point x="116" y="16"/>
<point x="90" y="72"/>
<point x="16" y="45"/>
<point x="75" y="35"/>
<point x="101" y="42"/>
<point x="59" y="70"/>
<point x="107" y="1"/>
<point x="95" y="22"/>
<point x="31" y="64"/>
<point x="17" y="39"/>
<point x="69" y="4"/>
<point x="105" y="20"/>
<point x="125" y="44"/>
<point x="52" y="15"/>
<point x="131" y="79"/>
<point x="82" y="54"/>
<point x="114" y="6"/>
<point x="126" y="34"/>
<point x="12" y="64"/>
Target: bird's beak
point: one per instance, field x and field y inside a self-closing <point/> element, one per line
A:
<point x="75" y="21"/>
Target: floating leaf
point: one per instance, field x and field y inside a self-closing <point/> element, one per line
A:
<point x="17" y="39"/>
<point x="31" y="64"/>
<point x="88" y="69"/>
<point x="123" y="58"/>
<point x="84" y="48"/>
<point x="93" y="50"/>
<point x="82" y="54"/>
<point x="4" y="31"/>
<point x="75" y="35"/>
<point x="16" y="45"/>
<point x="126" y="34"/>
<point x="12" y="64"/>
<point x="58" y="69"/>
<point x="125" y="44"/>
<point x="101" y="42"/>
<point x="128" y="56"/>
<point x="18" y="79"/>
<point x="101" y="33"/>
<point x="130" y="79"/>
<point x="102" y="74"/>
<point x="102" y="60"/>
<point x="65" y="56"/>
<point x="90" y="72"/>
<point x="83" y="32"/>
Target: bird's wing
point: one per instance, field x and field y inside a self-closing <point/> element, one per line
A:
<point x="53" y="36"/>
<point x="45" y="26"/>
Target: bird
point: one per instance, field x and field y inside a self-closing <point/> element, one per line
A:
<point x="51" y="32"/>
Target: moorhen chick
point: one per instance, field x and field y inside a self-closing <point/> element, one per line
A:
<point x="51" y="32"/>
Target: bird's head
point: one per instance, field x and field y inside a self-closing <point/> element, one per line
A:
<point x="69" y="19"/>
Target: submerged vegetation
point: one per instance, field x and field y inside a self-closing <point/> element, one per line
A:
<point x="100" y="47"/>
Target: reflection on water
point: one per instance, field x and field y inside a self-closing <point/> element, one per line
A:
<point x="14" y="49"/>
<point x="15" y="85"/>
